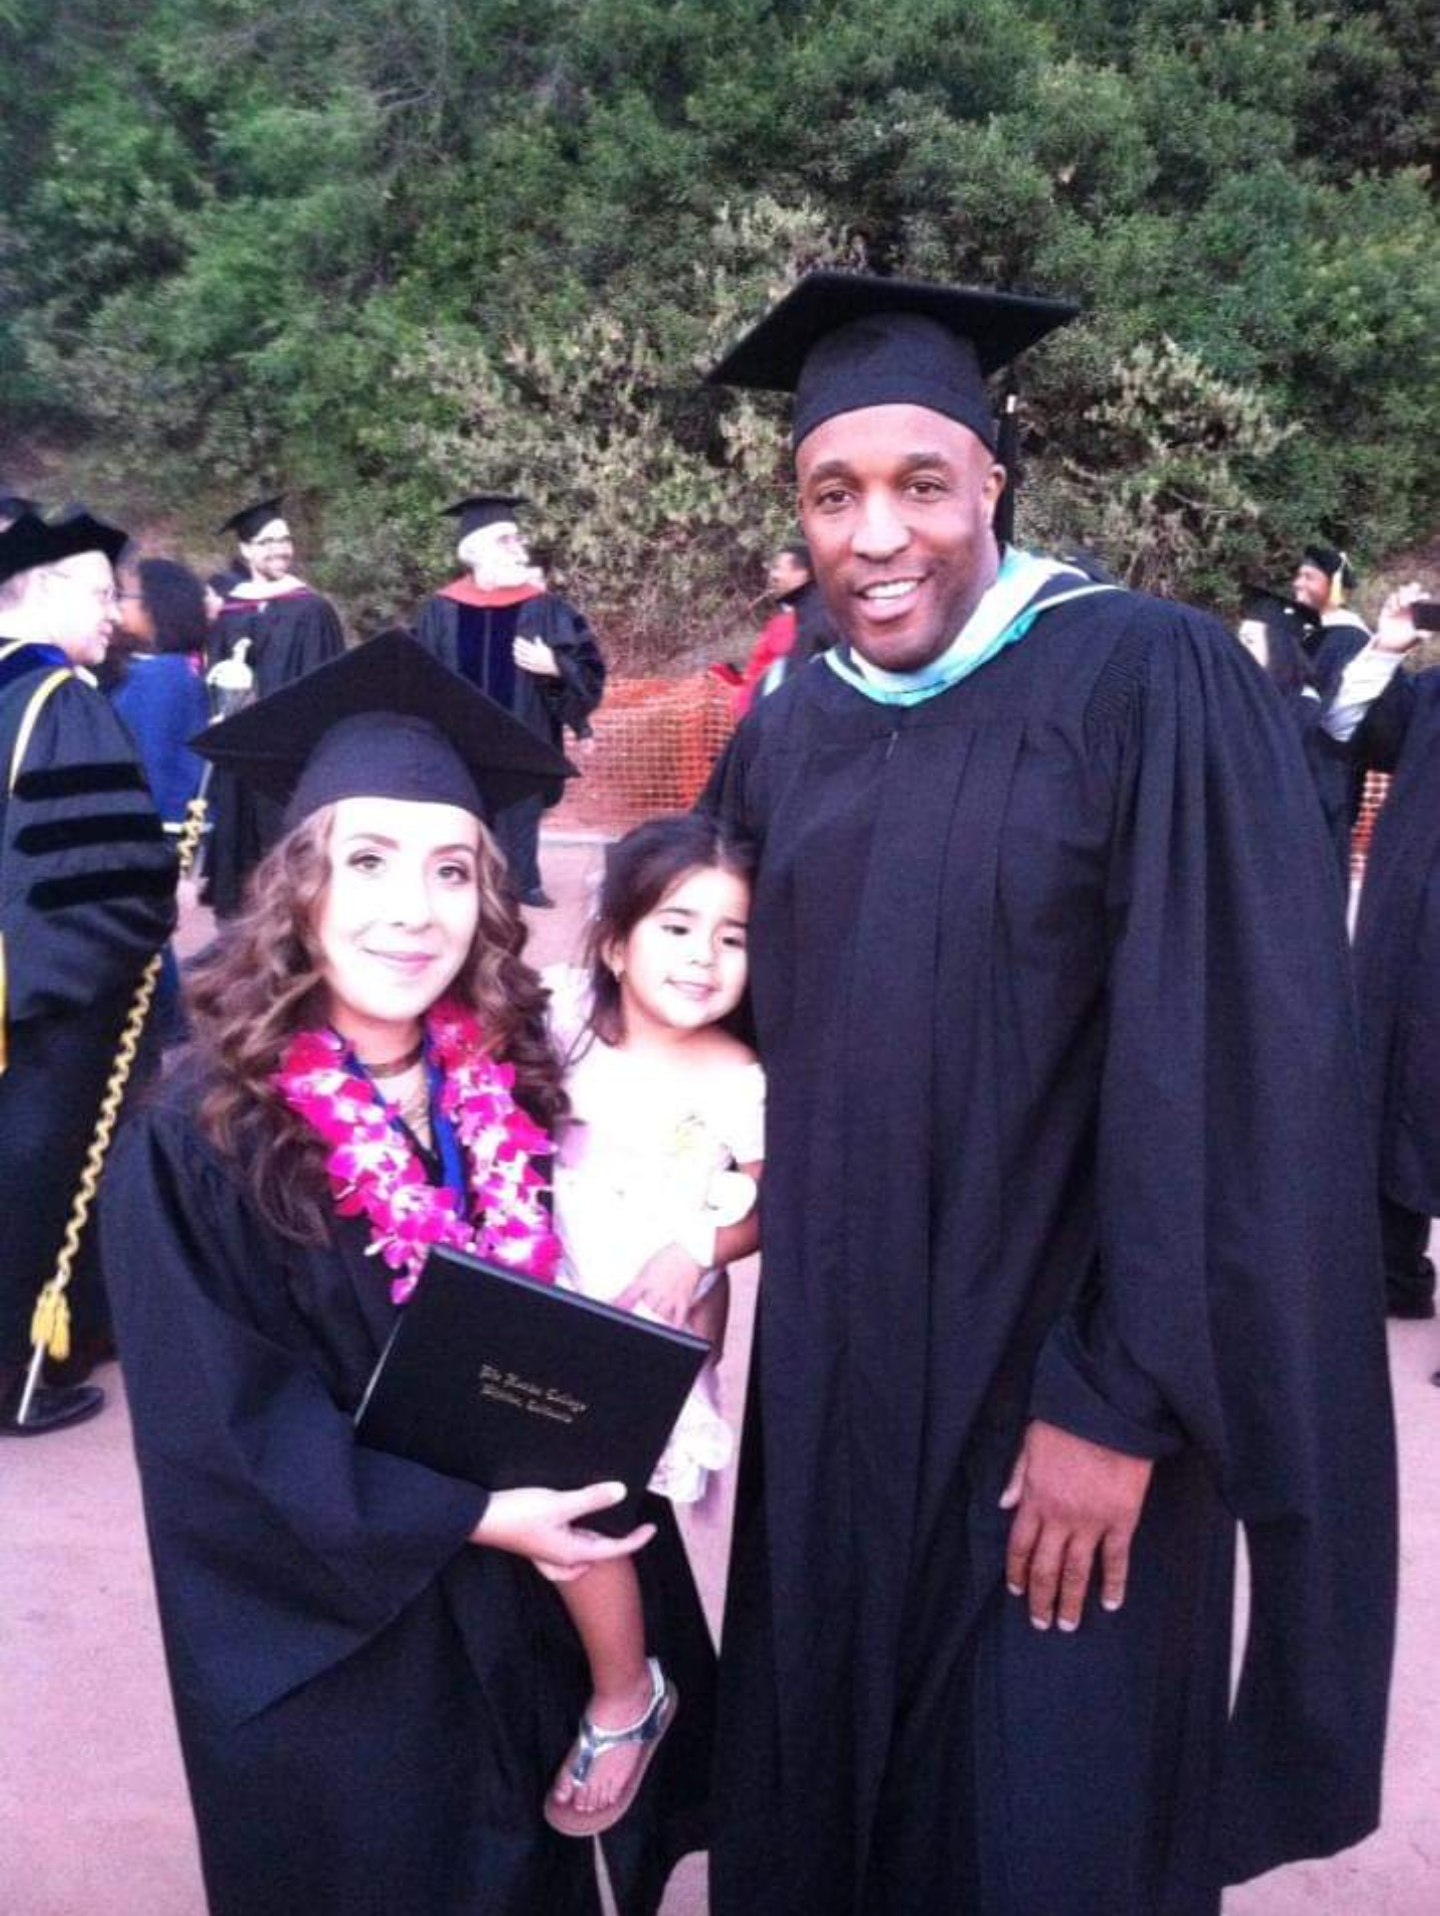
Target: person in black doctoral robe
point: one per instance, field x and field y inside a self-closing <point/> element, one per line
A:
<point x="1070" y="1260"/>
<point x="373" y="1685"/>
<point x="286" y="629"/>
<point x="1397" y="945"/>
<point x="87" y="888"/>
<point x="530" y="650"/>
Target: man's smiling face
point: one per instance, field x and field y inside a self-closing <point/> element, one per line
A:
<point x="897" y="503"/>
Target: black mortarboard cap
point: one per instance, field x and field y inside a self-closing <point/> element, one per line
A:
<point x="484" y="509"/>
<point x="385" y="720"/>
<point x="1331" y="561"/>
<point x="252" y="519"/>
<point x="841" y="341"/>
<point x="1274" y="610"/>
<point x="31" y="542"/>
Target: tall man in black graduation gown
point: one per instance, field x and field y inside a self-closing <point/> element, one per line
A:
<point x="87" y="886"/>
<point x="529" y="649"/>
<point x="289" y="628"/>
<point x="1069" y="1256"/>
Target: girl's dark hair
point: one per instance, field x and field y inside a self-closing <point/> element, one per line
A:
<point x="175" y="600"/>
<point x="640" y="869"/>
<point x="799" y="552"/>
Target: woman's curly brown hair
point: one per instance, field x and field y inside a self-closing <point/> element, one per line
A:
<point x="262" y="983"/>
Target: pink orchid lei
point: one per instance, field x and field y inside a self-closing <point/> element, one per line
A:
<point x="375" y="1170"/>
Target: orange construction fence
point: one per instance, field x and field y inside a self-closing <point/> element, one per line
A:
<point x="655" y="742"/>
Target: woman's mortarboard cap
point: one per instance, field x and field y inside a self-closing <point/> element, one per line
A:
<point x="843" y="341"/>
<point x="385" y="720"/>
<point x="1274" y="610"/>
<point x="484" y="509"/>
<point x="30" y="542"/>
<point x="251" y="520"/>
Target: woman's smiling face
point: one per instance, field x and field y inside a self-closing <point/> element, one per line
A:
<point x="397" y="918"/>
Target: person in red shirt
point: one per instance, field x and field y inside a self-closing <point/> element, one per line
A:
<point x="796" y="630"/>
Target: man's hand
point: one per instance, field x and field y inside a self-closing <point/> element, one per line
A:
<point x="665" y="1285"/>
<point x="1070" y="1498"/>
<point x="1395" y="628"/>
<point x="534" y="655"/>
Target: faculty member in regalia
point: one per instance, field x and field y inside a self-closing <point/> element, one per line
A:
<point x="530" y="650"/>
<point x="290" y="629"/>
<point x="1070" y="1252"/>
<point x="87" y="887"/>
<point x="373" y="1680"/>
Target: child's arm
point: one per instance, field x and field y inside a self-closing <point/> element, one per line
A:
<point x="667" y="1279"/>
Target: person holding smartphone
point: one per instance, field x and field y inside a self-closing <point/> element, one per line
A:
<point x="1392" y="720"/>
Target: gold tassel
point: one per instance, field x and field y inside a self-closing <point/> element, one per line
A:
<point x="50" y="1325"/>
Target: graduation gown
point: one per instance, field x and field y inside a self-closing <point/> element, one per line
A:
<point x="370" y="1707"/>
<point x="87" y="885"/>
<point x="1063" y="1123"/>
<point x="1397" y="941"/>
<point x="549" y="706"/>
<point x="289" y="635"/>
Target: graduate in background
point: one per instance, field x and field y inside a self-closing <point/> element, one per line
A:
<point x="526" y="647"/>
<point x="291" y="629"/>
<point x="1391" y="719"/>
<point x="87" y="886"/>
<point x="1334" y="632"/>
<point x="1070" y="1251"/>
<point x="373" y="1687"/>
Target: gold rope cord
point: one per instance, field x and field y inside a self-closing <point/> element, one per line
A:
<point x="50" y="1324"/>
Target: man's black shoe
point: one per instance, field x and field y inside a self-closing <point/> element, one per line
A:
<point x="51" y="1408"/>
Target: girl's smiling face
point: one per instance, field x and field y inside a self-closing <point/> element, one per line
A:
<point x="397" y="918"/>
<point x="683" y="965"/>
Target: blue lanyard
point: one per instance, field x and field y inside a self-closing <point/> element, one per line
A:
<point x="442" y="1127"/>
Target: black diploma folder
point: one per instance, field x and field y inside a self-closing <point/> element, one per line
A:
<point x="492" y="1377"/>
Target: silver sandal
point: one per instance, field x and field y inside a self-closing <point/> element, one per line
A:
<point x="592" y="1743"/>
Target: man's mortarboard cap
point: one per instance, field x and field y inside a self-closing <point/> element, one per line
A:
<point x="385" y="720"/>
<point x="30" y="542"/>
<point x="843" y="341"/>
<point x="484" y="509"/>
<point x="251" y="520"/>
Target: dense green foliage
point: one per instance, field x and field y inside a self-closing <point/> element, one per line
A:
<point x="381" y="250"/>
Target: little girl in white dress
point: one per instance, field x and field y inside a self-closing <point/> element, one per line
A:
<point x="655" y="1194"/>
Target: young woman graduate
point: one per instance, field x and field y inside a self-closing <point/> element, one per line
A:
<point x="373" y="1685"/>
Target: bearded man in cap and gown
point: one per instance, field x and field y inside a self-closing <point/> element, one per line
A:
<point x="529" y="649"/>
<point x="87" y="885"/>
<point x="286" y="629"/>
<point x="1071" y="1262"/>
